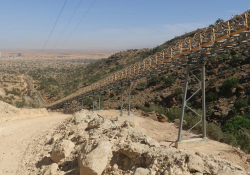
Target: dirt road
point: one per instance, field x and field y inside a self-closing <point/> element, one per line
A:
<point x="16" y="136"/>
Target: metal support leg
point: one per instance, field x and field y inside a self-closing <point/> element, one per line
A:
<point x="99" y="102"/>
<point x="121" y="99"/>
<point x="93" y="102"/>
<point x="203" y="87"/>
<point x="183" y="103"/>
<point x="129" y="99"/>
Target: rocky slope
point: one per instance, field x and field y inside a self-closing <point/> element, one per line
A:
<point x="90" y="144"/>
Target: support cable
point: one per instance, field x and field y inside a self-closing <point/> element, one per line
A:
<point x="68" y="22"/>
<point x="78" y="23"/>
<point x="54" y="25"/>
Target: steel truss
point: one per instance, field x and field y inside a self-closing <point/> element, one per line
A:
<point x="122" y="100"/>
<point x="185" y="99"/>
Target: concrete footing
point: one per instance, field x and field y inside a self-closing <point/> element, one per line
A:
<point x="191" y="143"/>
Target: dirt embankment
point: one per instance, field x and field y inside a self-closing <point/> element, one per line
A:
<point x="9" y="112"/>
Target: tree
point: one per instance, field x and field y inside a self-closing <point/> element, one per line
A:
<point x="219" y="20"/>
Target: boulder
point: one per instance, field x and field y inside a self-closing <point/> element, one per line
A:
<point x="96" y="161"/>
<point x="153" y="115"/>
<point x="141" y="171"/>
<point x="195" y="163"/>
<point x="216" y="114"/>
<point x="62" y="150"/>
<point x="151" y="142"/>
<point x="52" y="170"/>
<point x="162" y="118"/>
<point x="78" y="118"/>
<point x="177" y="122"/>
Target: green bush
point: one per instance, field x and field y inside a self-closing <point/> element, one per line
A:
<point x="20" y="104"/>
<point x="212" y="82"/>
<point x="236" y="123"/>
<point x="168" y="81"/>
<point x="173" y="114"/>
<point x="236" y="60"/>
<point x="87" y="101"/>
<point x="240" y="103"/>
<point x="193" y="119"/>
<point x="198" y="75"/>
<point x="178" y="91"/>
<point x="229" y="138"/>
<point x="228" y="84"/>
<point x="153" y="81"/>
<point x="243" y="139"/>
<point x="214" y="131"/>
<point x="154" y="107"/>
<point x="142" y="85"/>
<point x="211" y="96"/>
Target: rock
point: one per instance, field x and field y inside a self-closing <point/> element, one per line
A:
<point x="96" y="161"/>
<point x="52" y="170"/>
<point x="95" y="123"/>
<point x="177" y="122"/>
<point x="233" y="90"/>
<point x="128" y="124"/>
<point x="112" y="149"/>
<point x="153" y="115"/>
<point x="62" y="150"/>
<point x="54" y="138"/>
<point x="115" y="167"/>
<point x="141" y="171"/>
<point x="162" y="118"/>
<point x="107" y="124"/>
<point x="79" y="118"/>
<point x="216" y="114"/>
<point x="195" y="163"/>
<point x="152" y="142"/>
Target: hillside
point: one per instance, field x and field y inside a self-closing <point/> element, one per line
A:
<point x="227" y="90"/>
<point x="61" y="82"/>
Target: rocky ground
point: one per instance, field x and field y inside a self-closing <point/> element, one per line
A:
<point x="91" y="143"/>
<point x="40" y="142"/>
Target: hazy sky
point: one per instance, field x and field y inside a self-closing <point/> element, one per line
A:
<point x="109" y="24"/>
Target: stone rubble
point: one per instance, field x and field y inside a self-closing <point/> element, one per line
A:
<point x="88" y="144"/>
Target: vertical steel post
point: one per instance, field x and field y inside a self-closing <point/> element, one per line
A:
<point x="183" y="103"/>
<point x="129" y="98"/>
<point x="99" y="101"/>
<point x="203" y="87"/>
<point x="93" y="102"/>
<point x="121" y="99"/>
